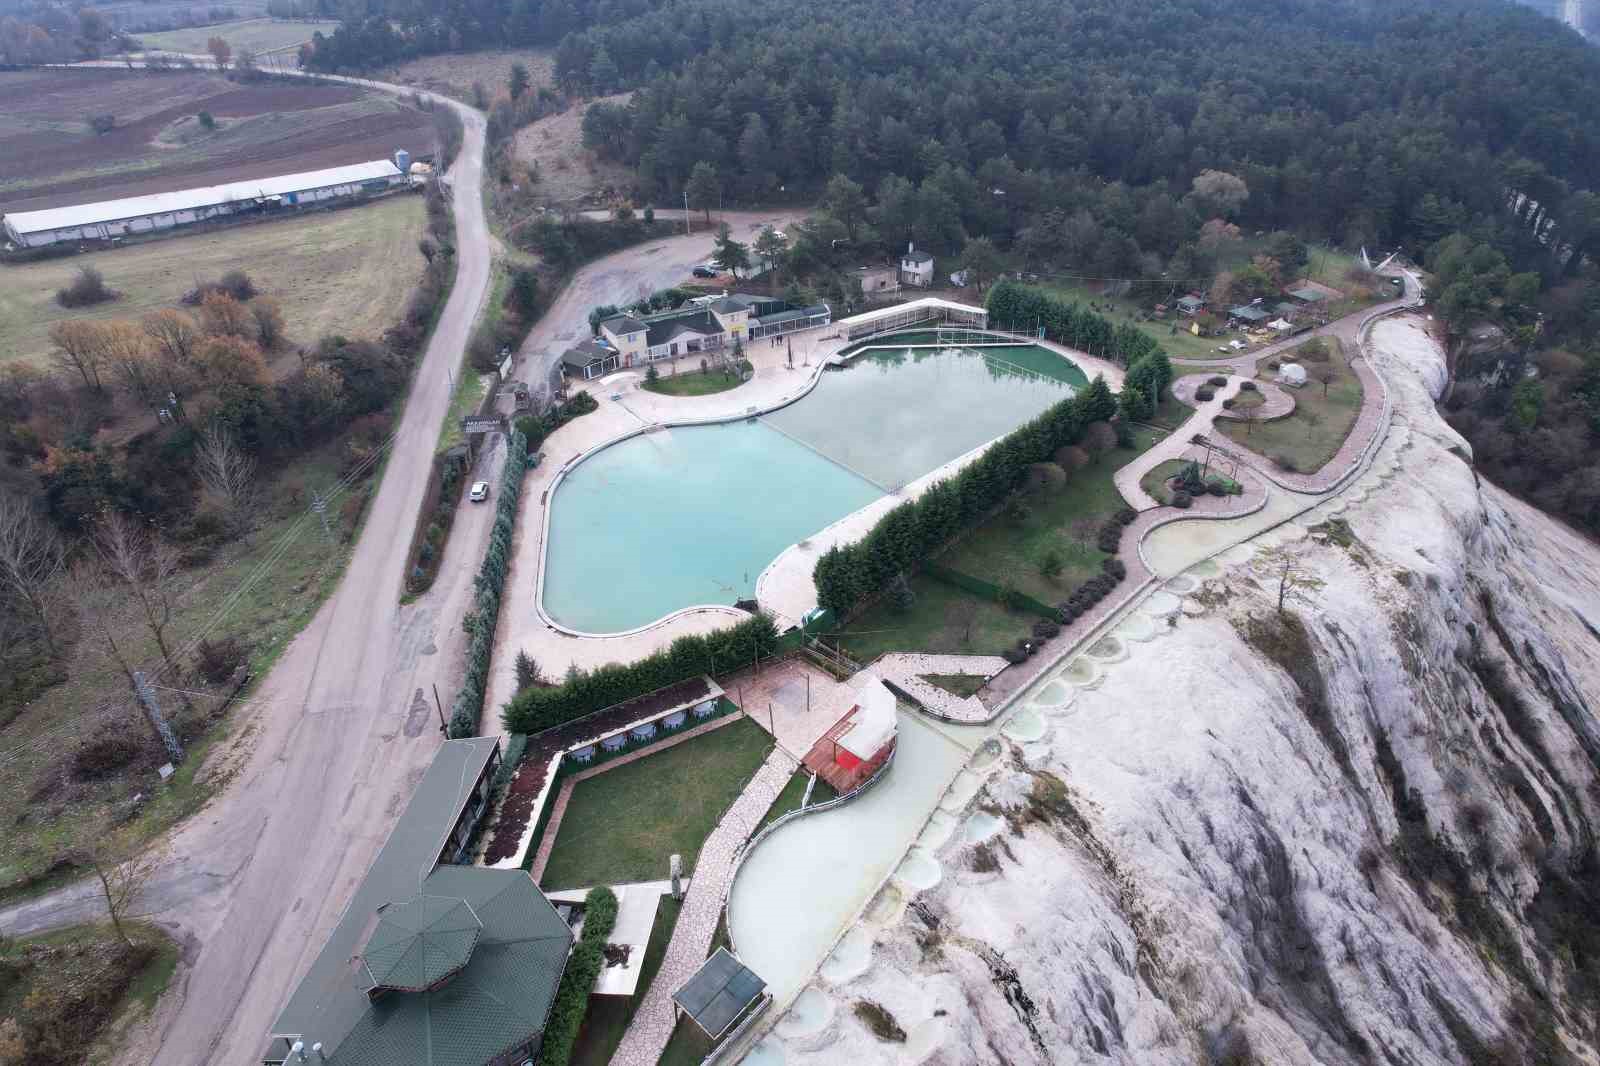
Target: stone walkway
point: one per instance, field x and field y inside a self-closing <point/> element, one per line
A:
<point x="906" y="669"/>
<point x="1172" y="447"/>
<point x="652" y="1025"/>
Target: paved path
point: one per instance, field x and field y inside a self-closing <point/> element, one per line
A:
<point x="1172" y="447"/>
<point x="906" y="670"/>
<point x="652" y="1025"/>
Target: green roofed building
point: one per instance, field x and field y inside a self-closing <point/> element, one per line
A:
<point x="432" y="963"/>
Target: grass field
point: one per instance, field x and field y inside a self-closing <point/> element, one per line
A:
<point x="621" y="825"/>
<point x="693" y="383"/>
<point x="1314" y="432"/>
<point x="1003" y="550"/>
<point x="47" y="810"/>
<point x="259" y="35"/>
<point x="346" y="271"/>
<point x="72" y="960"/>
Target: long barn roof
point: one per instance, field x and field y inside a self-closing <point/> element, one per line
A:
<point x="186" y="199"/>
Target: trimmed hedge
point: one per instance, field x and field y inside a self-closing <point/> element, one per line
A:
<point x="1012" y="304"/>
<point x="488" y="585"/>
<point x="537" y="427"/>
<point x="848" y="574"/>
<point x="577" y="982"/>
<point x="585" y="691"/>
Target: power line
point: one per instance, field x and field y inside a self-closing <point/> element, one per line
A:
<point x="274" y="555"/>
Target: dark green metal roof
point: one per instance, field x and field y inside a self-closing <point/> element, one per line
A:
<point x="719" y="992"/>
<point x="502" y="993"/>
<point x="498" y="1001"/>
<point x="420" y="942"/>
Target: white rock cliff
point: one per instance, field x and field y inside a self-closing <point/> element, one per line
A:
<point x="1358" y="832"/>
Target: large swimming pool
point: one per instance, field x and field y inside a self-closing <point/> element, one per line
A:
<point x="691" y="515"/>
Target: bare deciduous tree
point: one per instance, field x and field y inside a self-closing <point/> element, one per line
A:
<point x="123" y="884"/>
<point x="1287" y="567"/>
<point x="147" y="565"/>
<point x="1325" y="374"/>
<point x="126" y="349"/>
<point x="227" y="475"/>
<point x="79" y="348"/>
<point x="32" y="558"/>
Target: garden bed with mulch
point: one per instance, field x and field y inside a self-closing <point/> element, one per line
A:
<point x="523" y="792"/>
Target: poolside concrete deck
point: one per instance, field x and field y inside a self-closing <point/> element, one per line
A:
<point x="625" y="407"/>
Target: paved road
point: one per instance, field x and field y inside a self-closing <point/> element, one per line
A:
<point x="337" y="737"/>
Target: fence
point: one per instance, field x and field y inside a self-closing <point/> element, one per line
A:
<point x="1006" y="597"/>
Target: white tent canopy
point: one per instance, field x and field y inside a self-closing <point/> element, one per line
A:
<point x="1292" y="374"/>
<point x="874" y="723"/>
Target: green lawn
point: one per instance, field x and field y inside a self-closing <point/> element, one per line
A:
<point x="693" y="383"/>
<point x="608" y="1016"/>
<point x="1003" y="550"/>
<point x="1312" y="435"/>
<point x="1065" y="520"/>
<point x="621" y="825"/>
<point x="956" y="684"/>
<point x="789" y="799"/>
<point x="258" y="35"/>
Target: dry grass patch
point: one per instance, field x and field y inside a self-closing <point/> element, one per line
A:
<point x="453" y="74"/>
<point x="346" y="271"/>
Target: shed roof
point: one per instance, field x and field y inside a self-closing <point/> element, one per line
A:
<point x="1249" y="312"/>
<point x="587" y="353"/>
<point x="204" y="196"/>
<point x="620" y="324"/>
<point x="719" y="992"/>
<point x="918" y="257"/>
<point x="1307" y="295"/>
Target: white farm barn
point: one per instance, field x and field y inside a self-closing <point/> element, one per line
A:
<point x="109" y="219"/>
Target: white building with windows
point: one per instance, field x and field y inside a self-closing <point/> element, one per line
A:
<point x="115" y="219"/>
<point x="916" y="268"/>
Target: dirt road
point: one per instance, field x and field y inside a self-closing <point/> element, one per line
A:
<point x="337" y="738"/>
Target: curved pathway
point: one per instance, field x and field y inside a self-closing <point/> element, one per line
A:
<point x="1278" y="401"/>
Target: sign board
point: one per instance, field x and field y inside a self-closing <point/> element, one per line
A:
<point x="482" y="424"/>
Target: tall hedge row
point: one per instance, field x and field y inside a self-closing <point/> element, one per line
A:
<point x="586" y="691"/>
<point x="1016" y="306"/>
<point x="577" y="981"/>
<point x="487" y="586"/>
<point x="909" y="534"/>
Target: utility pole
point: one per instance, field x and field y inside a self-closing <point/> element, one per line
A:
<point x="687" y="218"/>
<point x="319" y="505"/>
<point x="439" y="706"/>
<point x="152" y="710"/>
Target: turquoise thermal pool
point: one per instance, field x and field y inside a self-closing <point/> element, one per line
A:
<point x="691" y="515"/>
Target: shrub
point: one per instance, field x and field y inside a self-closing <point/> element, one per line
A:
<point x="1217" y="380"/>
<point x="1050" y="566"/>
<point x="1067" y="613"/>
<point x="1182" y="500"/>
<point x="584" y="691"/>
<point x="490" y="582"/>
<point x="1248" y="386"/>
<point x="652" y="375"/>
<point x="1216" y="486"/>
<point x="1286" y="462"/>
<point x="1126" y="515"/>
<point x="96" y="758"/>
<point x="528" y="672"/>
<point x="1110" y="539"/>
<point x="1227" y="405"/>
<point x="87" y="288"/>
<point x="1204" y="393"/>
<point x="577" y="982"/>
<point x="880" y="1022"/>
<point x="217" y="661"/>
<point x="1014" y="656"/>
<point x="900" y="593"/>
<point x="1125" y="437"/>
<point x="1044" y="629"/>
<point x="102" y="124"/>
<point x="206" y="121"/>
<point x="1115" y="567"/>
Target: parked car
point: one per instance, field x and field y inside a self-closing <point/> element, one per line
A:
<point x="704" y="272"/>
<point x="480" y="492"/>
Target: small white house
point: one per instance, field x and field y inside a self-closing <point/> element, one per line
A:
<point x="1292" y="375"/>
<point x="916" y="268"/>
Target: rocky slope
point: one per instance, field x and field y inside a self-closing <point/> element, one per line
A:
<point x="1361" y="831"/>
